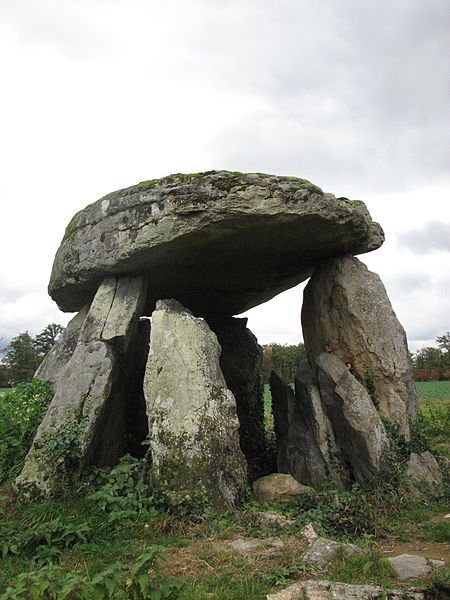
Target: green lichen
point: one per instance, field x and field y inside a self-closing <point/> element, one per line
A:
<point x="73" y="225"/>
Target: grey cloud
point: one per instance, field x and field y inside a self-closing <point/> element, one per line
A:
<point x="433" y="237"/>
<point x="60" y="24"/>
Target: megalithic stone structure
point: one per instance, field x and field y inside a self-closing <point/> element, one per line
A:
<point x="82" y="423"/>
<point x="193" y="424"/>
<point x="217" y="244"/>
<point x="346" y="309"/>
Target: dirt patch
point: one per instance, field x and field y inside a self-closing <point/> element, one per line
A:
<point x="436" y="550"/>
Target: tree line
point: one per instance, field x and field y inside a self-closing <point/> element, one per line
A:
<point x="433" y="363"/>
<point x="25" y="353"/>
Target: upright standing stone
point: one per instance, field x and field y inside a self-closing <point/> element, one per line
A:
<point x="357" y="425"/>
<point x="241" y="364"/>
<point x="60" y="354"/>
<point x="346" y="310"/>
<point x="82" y="425"/>
<point x="193" y="424"/>
<point x="306" y="447"/>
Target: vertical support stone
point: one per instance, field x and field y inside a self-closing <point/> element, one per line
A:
<point x="347" y="312"/>
<point x="60" y="354"/>
<point x="193" y="424"/>
<point x="241" y="364"/>
<point x="306" y="446"/>
<point x="82" y="425"/>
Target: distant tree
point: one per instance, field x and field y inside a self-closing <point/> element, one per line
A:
<point x="21" y="358"/>
<point x="5" y="376"/>
<point x="44" y="341"/>
<point x="285" y="360"/>
<point x="444" y="342"/>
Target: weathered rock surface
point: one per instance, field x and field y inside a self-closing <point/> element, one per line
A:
<point x="60" y="354"/>
<point x="273" y="520"/>
<point x="82" y="423"/>
<point x="423" y="473"/>
<point x="330" y="590"/>
<point x="346" y="308"/>
<point x="358" y="428"/>
<point x="409" y="566"/>
<point x="241" y="364"/>
<point x="278" y="487"/>
<point x="193" y="425"/>
<point x="219" y="242"/>
<point x="305" y="439"/>
<point x="249" y="545"/>
<point x="322" y="551"/>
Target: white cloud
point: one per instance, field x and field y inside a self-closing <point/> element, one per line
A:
<point x="99" y="95"/>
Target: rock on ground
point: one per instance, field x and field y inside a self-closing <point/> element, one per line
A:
<point x="328" y="590"/>
<point x="423" y="473"/>
<point x="346" y="308"/>
<point x="249" y="545"/>
<point x="278" y="488"/>
<point x="273" y="520"/>
<point x="193" y="424"/>
<point x="241" y="364"/>
<point x="409" y="566"/>
<point x="322" y="551"/>
<point x="84" y="423"/>
<point x="356" y="423"/>
<point x="219" y="242"/>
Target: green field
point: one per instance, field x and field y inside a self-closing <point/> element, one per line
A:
<point x="3" y="390"/>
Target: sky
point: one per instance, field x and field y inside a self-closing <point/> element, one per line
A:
<point x="350" y="94"/>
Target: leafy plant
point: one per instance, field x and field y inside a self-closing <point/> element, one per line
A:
<point x="23" y="409"/>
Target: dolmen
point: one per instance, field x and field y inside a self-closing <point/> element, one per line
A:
<point x="156" y="364"/>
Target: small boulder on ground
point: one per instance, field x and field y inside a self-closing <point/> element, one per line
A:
<point x="322" y="551"/>
<point x="423" y="473"/>
<point x="328" y="590"/>
<point x="278" y="487"/>
<point x="273" y="520"/>
<point x="248" y="545"/>
<point x="409" y="566"/>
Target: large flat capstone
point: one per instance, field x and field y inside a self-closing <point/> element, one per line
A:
<point x="219" y="242"/>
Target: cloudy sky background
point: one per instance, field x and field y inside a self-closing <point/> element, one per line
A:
<point x="350" y="94"/>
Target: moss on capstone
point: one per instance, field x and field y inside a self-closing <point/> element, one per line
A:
<point x="73" y="225"/>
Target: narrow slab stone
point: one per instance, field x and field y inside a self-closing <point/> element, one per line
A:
<point x="241" y="364"/>
<point x="331" y="590"/>
<point x="60" y="354"/>
<point x="129" y="299"/>
<point x="306" y="447"/>
<point x="220" y="242"/>
<point x="346" y="309"/>
<point x="409" y="566"/>
<point x="193" y="424"/>
<point x="83" y="424"/>
<point x="357" y="425"/>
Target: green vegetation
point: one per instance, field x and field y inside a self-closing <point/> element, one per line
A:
<point x="114" y="536"/>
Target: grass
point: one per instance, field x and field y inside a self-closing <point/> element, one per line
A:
<point x="198" y="556"/>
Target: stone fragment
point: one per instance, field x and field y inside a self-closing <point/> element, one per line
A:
<point x="278" y="487"/>
<point x="330" y="590"/>
<point x="322" y="551"/>
<point x="346" y="309"/>
<point x="423" y="473"/>
<point x="309" y="533"/>
<point x="409" y="566"/>
<point x="357" y="425"/>
<point x="305" y="439"/>
<point x="249" y="545"/>
<point x="219" y="242"/>
<point x="193" y="425"/>
<point x="60" y="354"/>
<point x="241" y="364"/>
<point x="273" y="520"/>
<point x="83" y="424"/>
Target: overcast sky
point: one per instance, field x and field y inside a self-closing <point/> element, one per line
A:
<point x="351" y="94"/>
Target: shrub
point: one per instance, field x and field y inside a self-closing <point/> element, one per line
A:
<point x="22" y="410"/>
